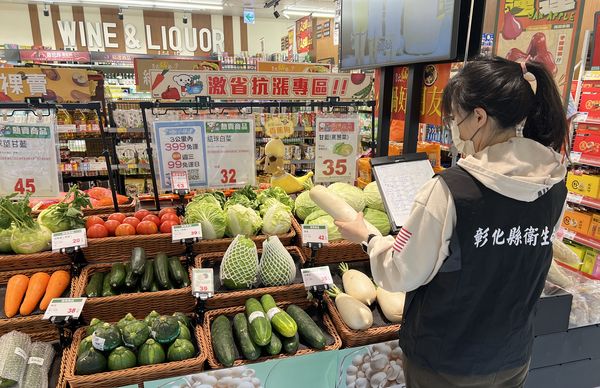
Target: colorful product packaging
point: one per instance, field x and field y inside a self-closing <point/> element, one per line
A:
<point x="577" y="221"/>
<point x="587" y="185"/>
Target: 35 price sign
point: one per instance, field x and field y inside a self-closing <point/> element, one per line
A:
<point x="336" y="148"/>
<point x="335" y="167"/>
<point x="25" y="185"/>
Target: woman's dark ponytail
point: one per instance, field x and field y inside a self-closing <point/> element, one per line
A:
<point x="546" y="122"/>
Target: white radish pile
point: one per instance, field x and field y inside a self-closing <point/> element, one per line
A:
<point x="238" y="377"/>
<point x="358" y="285"/>
<point x="381" y="366"/>
<point x="353" y="312"/>
<point x="391" y="303"/>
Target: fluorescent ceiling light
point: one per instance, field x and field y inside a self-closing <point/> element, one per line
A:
<point x="309" y="9"/>
<point x="180" y="5"/>
<point x="306" y="13"/>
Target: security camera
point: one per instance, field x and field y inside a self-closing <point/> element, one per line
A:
<point x="185" y="19"/>
<point x="46" y="11"/>
<point x="120" y="14"/>
<point x="276" y="14"/>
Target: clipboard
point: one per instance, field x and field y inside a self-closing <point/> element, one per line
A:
<point x="399" y="178"/>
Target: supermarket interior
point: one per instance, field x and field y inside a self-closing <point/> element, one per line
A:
<point x="299" y="193"/>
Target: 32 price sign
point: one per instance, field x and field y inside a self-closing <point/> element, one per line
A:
<point x="336" y="149"/>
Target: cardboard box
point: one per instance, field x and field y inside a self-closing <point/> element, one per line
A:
<point x="589" y="261"/>
<point x="587" y="142"/>
<point x="595" y="226"/>
<point x="576" y="221"/>
<point x="590" y="103"/>
<point x="587" y="185"/>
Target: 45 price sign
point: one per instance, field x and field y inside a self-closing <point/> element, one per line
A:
<point x="25" y="185"/>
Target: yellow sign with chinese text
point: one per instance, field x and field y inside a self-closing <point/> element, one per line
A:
<point x="60" y="85"/>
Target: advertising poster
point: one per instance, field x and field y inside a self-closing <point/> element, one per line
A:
<point x="61" y="85"/>
<point x="544" y="31"/>
<point x="435" y="79"/>
<point x="239" y="85"/>
<point x="291" y="67"/>
<point x="336" y="149"/>
<point x="304" y="35"/>
<point x="142" y="67"/>
<point x="180" y="147"/>
<point x="23" y="149"/>
<point x="230" y="153"/>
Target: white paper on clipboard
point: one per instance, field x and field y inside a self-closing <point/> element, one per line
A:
<point x="399" y="184"/>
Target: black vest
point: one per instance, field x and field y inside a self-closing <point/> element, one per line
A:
<point x="476" y="316"/>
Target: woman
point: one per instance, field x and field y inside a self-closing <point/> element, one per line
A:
<point x="474" y="253"/>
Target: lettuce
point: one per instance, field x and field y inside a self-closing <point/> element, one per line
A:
<point x="373" y="197"/>
<point x="277" y="220"/>
<point x="351" y="194"/>
<point x="242" y="220"/>
<point x="209" y="215"/>
<point x="379" y="220"/>
<point x="276" y="193"/>
<point x="304" y="205"/>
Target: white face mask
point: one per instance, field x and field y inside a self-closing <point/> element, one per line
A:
<point x="465" y="147"/>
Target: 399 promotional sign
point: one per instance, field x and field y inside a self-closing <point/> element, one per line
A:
<point x="336" y="141"/>
<point x="23" y="149"/>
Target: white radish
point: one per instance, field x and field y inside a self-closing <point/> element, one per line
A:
<point x="336" y="207"/>
<point x="391" y="303"/>
<point x="353" y="312"/>
<point x="358" y="285"/>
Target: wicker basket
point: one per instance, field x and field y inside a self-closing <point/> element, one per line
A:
<point x="334" y="252"/>
<point x="238" y="298"/>
<point x="334" y="343"/>
<point x="352" y="338"/>
<point x="136" y="375"/>
<point x="111" y="249"/>
<point x="33" y="325"/>
<point x="113" y="308"/>
<point x="32" y="261"/>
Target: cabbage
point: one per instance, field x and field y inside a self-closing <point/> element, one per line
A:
<point x="5" y="235"/>
<point x="207" y="198"/>
<point x="320" y="217"/>
<point x="304" y="205"/>
<point x="379" y="220"/>
<point x="351" y="194"/>
<point x="373" y="197"/>
<point x="25" y="240"/>
<point x="242" y="220"/>
<point x="209" y="215"/>
<point x="67" y="214"/>
<point x="240" y="199"/>
<point x="277" y="220"/>
<point x="276" y="193"/>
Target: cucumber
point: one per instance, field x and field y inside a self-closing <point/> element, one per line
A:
<point x="273" y="348"/>
<point x="280" y="320"/>
<point x="117" y="275"/>
<point x="240" y="327"/>
<point x="138" y="261"/>
<point x="161" y="271"/>
<point x="291" y="345"/>
<point x="222" y="340"/>
<point x="131" y="279"/>
<point x="154" y="287"/>
<point x="260" y="328"/>
<point x="147" y="277"/>
<point x="107" y="290"/>
<point x="178" y="273"/>
<point x="94" y="286"/>
<point x="310" y="332"/>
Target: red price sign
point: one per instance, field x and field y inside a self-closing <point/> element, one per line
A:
<point x="337" y="167"/>
<point x="175" y="147"/>
<point x="24" y="185"/>
<point x="228" y="176"/>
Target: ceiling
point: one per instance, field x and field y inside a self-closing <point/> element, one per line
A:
<point x="229" y="7"/>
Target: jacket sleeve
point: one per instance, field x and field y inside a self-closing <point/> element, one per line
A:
<point x="415" y="255"/>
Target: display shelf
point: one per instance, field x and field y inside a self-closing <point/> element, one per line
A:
<point x="303" y="161"/>
<point x="144" y="166"/>
<point x="122" y="130"/>
<point x="580" y="238"/>
<point x="588" y="160"/>
<point x="70" y="178"/>
<point x="584" y="201"/>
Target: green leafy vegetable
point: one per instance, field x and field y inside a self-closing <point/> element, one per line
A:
<point x="209" y="215"/>
<point x="373" y="197"/>
<point x="277" y="193"/>
<point x="351" y="194"/>
<point x="277" y="219"/>
<point x="66" y="216"/>
<point x="304" y="205"/>
<point x="240" y="199"/>
<point x="320" y="217"/>
<point x="27" y="236"/>
<point x="5" y="235"/>
<point x="379" y="220"/>
<point x="239" y="267"/>
<point x="203" y="199"/>
<point x="242" y="220"/>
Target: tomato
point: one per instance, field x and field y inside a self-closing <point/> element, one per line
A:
<point x="165" y="211"/>
<point x="93" y="220"/>
<point x="140" y="214"/>
<point x="170" y="217"/>
<point x="166" y="226"/>
<point x="147" y="227"/>
<point x="97" y="231"/>
<point x="111" y="226"/>
<point x="131" y="221"/>
<point x="152" y="218"/>
<point x="117" y="216"/>
<point x="125" y="230"/>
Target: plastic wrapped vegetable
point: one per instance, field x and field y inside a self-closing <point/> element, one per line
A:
<point x="38" y="365"/>
<point x="239" y="267"/>
<point x="16" y="347"/>
<point x="66" y="215"/>
<point x="277" y="268"/>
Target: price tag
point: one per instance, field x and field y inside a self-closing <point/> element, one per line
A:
<point x="336" y="147"/>
<point x="568" y="234"/>
<point x="65" y="307"/>
<point x="203" y="282"/>
<point x="574" y="198"/>
<point x="179" y="181"/>
<point x="183" y="232"/>
<point x="317" y="276"/>
<point x="575" y="156"/>
<point x="314" y="234"/>
<point x="69" y="239"/>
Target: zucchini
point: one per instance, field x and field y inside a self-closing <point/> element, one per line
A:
<point x="154" y="287"/>
<point x="117" y="275"/>
<point x="310" y="332"/>
<point x="260" y="328"/>
<point x="94" y="286"/>
<point x="222" y="340"/>
<point x="131" y="279"/>
<point x="138" y="261"/>
<point x="273" y="348"/>
<point x="161" y="271"/>
<point x="107" y="290"/>
<point x="280" y="320"/>
<point x="240" y="327"/>
<point x="178" y="273"/>
<point x="147" y="277"/>
<point x="291" y="345"/>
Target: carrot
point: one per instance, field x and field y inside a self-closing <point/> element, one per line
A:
<point x="59" y="281"/>
<point x="15" y="291"/>
<point x="35" y="292"/>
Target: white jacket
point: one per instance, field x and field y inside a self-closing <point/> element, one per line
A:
<point x="519" y="168"/>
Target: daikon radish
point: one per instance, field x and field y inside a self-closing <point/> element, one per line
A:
<point x="358" y="285"/>
<point x="391" y="303"/>
<point x="336" y="207"/>
<point x="353" y="312"/>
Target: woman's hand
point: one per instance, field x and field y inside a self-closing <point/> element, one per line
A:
<point x="355" y="231"/>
